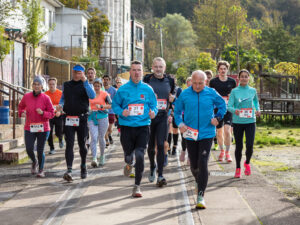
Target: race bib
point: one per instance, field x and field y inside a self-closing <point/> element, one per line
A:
<point x="191" y="133"/>
<point x="36" y="127"/>
<point x="246" y="113"/>
<point x="162" y="104"/>
<point x="136" y="109"/>
<point x="226" y="98"/>
<point x="72" y="121"/>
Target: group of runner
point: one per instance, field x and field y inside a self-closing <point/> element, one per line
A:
<point x="149" y="110"/>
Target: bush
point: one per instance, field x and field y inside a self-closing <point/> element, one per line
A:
<point x="277" y="126"/>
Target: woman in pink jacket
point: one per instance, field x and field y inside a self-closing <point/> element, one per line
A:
<point x="38" y="109"/>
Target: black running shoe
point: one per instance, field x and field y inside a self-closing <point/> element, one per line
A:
<point x="161" y="181"/>
<point x="111" y="141"/>
<point x="174" y="151"/>
<point x="68" y="177"/>
<point x="83" y="172"/>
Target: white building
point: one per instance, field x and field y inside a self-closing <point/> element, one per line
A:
<point x="118" y="13"/>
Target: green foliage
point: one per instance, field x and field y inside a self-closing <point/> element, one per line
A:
<point x="75" y="4"/>
<point x="5" y="45"/>
<point x="249" y="59"/>
<point x="6" y="10"/>
<point x="33" y="15"/>
<point x="97" y="26"/>
<point x="177" y="35"/>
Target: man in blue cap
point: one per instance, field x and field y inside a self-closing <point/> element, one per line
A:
<point x="75" y="103"/>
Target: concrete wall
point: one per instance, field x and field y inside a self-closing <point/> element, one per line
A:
<point x="118" y="13"/>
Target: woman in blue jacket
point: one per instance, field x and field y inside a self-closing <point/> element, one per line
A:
<point x="244" y="106"/>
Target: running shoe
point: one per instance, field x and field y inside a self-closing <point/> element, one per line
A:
<point x="132" y="174"/>
<point x="215" y="147"/>
<point x="237" y="173"/>
<point x="161" y="181"/>
<point x="200" y="202"/>
<point x="107" y="142"/>
<point x="41" y="174"/>
<point x="127" y="170"/>
<point x="182" y="156"/>
<point x="34" y="168"/>
<point x="61" y="144"/>
<point x="228" y="158"/>
<point x="111" y="141"/>
<point x="68" y="177"/>
<point x="136" y="192"/>
<point x="221" y="156"/>
<point x="83" y="172"/>
<point x="174" y="151"/>
<point x="166" y="161"/>
<point x="152" y="174"/>
<point x="247" y="169"/>
<point x="102" y="160"/>
<point x="52" y="152"/>
<point x="94" y="163"/>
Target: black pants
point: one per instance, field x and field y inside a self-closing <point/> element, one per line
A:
<point x="58" y="123"/>
<point x="134" y="141"/>
<point x="158" y="132"/>
<point x="238" y="131"/>
<point x="82" y="132"/>
<point x="199" y="152"/>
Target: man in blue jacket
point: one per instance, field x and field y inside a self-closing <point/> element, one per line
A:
<point x="135" y="104"/>
<point x="199" y="126"/>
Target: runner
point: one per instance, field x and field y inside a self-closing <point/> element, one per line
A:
<point x="57" y="121"/>
<point x="163" y="86"/>
<point x="197" y="103"/>
<point x="223" y="85"/>
<point x="183" y="141"/>
<point x="38" y="109"/>
<point x="91" y="74"/>
<point x="111" y="115"/>
<point x="244" y="105"/>
<point x="98" y="121"/>
<point x="135" y="104"/>
<point x="75" y="103"/>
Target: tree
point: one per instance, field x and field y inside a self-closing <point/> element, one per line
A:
<point x="76" y="4"/>
<point x="97" y="26"/>
<point x="277" y="43"/>
<point x="178" y="34"/>
<point x="34" y="16"/>
<point x="6" y="10"/>
<point x="5" y="46"/>
<point x="287" y="68"/>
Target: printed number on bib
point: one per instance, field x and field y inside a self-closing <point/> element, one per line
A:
<point x="136" y="109"/>
<point x="36" y="127"/>
<point x="162" y="104"/>
<point x="191" y="133"/>
<point x="246" y="113"/>
<point x="72" y="121"/>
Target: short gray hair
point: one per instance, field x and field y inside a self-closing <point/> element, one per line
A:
<point x="160" y="59"/>
<point x="201" y="73"/>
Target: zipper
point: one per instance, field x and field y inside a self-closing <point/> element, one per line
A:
<point x="198" y="109"/>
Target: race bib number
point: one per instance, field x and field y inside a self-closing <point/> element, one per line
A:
<point x="36" y="127"/>
<point x="246" y="113"/>
<point x="162" y="104"/>
<point x="191" y="133"/>
<point x="226" y="98"/>
<point x="72" y="121"/>
<point x="136" y="109"/>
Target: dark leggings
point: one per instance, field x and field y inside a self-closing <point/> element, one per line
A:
<point x="82" y="132"/>
<point x="199" y="152"/>
<point x="29" y="143"/>
<point x="58" y="123"/>
<point x="238" y="131"/>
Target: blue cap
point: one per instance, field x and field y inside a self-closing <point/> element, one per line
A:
<point x="78" y="67"/>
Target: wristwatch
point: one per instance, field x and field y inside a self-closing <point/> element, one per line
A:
<point x="101" y="107"/>
<point x="218" y="118"/>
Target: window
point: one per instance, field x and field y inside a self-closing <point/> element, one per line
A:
<point x="50" y="18"/>
<point x="84" y="32"/>
<point x="139" y="54"/>
<point x="44" y="16"/>
<point x="139" y="34"/>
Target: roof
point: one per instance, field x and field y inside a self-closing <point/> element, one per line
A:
<point x="70" y="11"/>
<point x="55" y="3"/>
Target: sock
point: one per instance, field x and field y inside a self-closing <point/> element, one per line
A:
<point x="221" y="147"/>
<point x="169" y="138"/>
<point x="227" y="148"/>
<point x="69" y="170"/>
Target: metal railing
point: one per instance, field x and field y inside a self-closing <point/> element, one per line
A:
<point x="15" y="93"/>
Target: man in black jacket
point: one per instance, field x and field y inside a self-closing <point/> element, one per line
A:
<point x="75" y="103"/>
